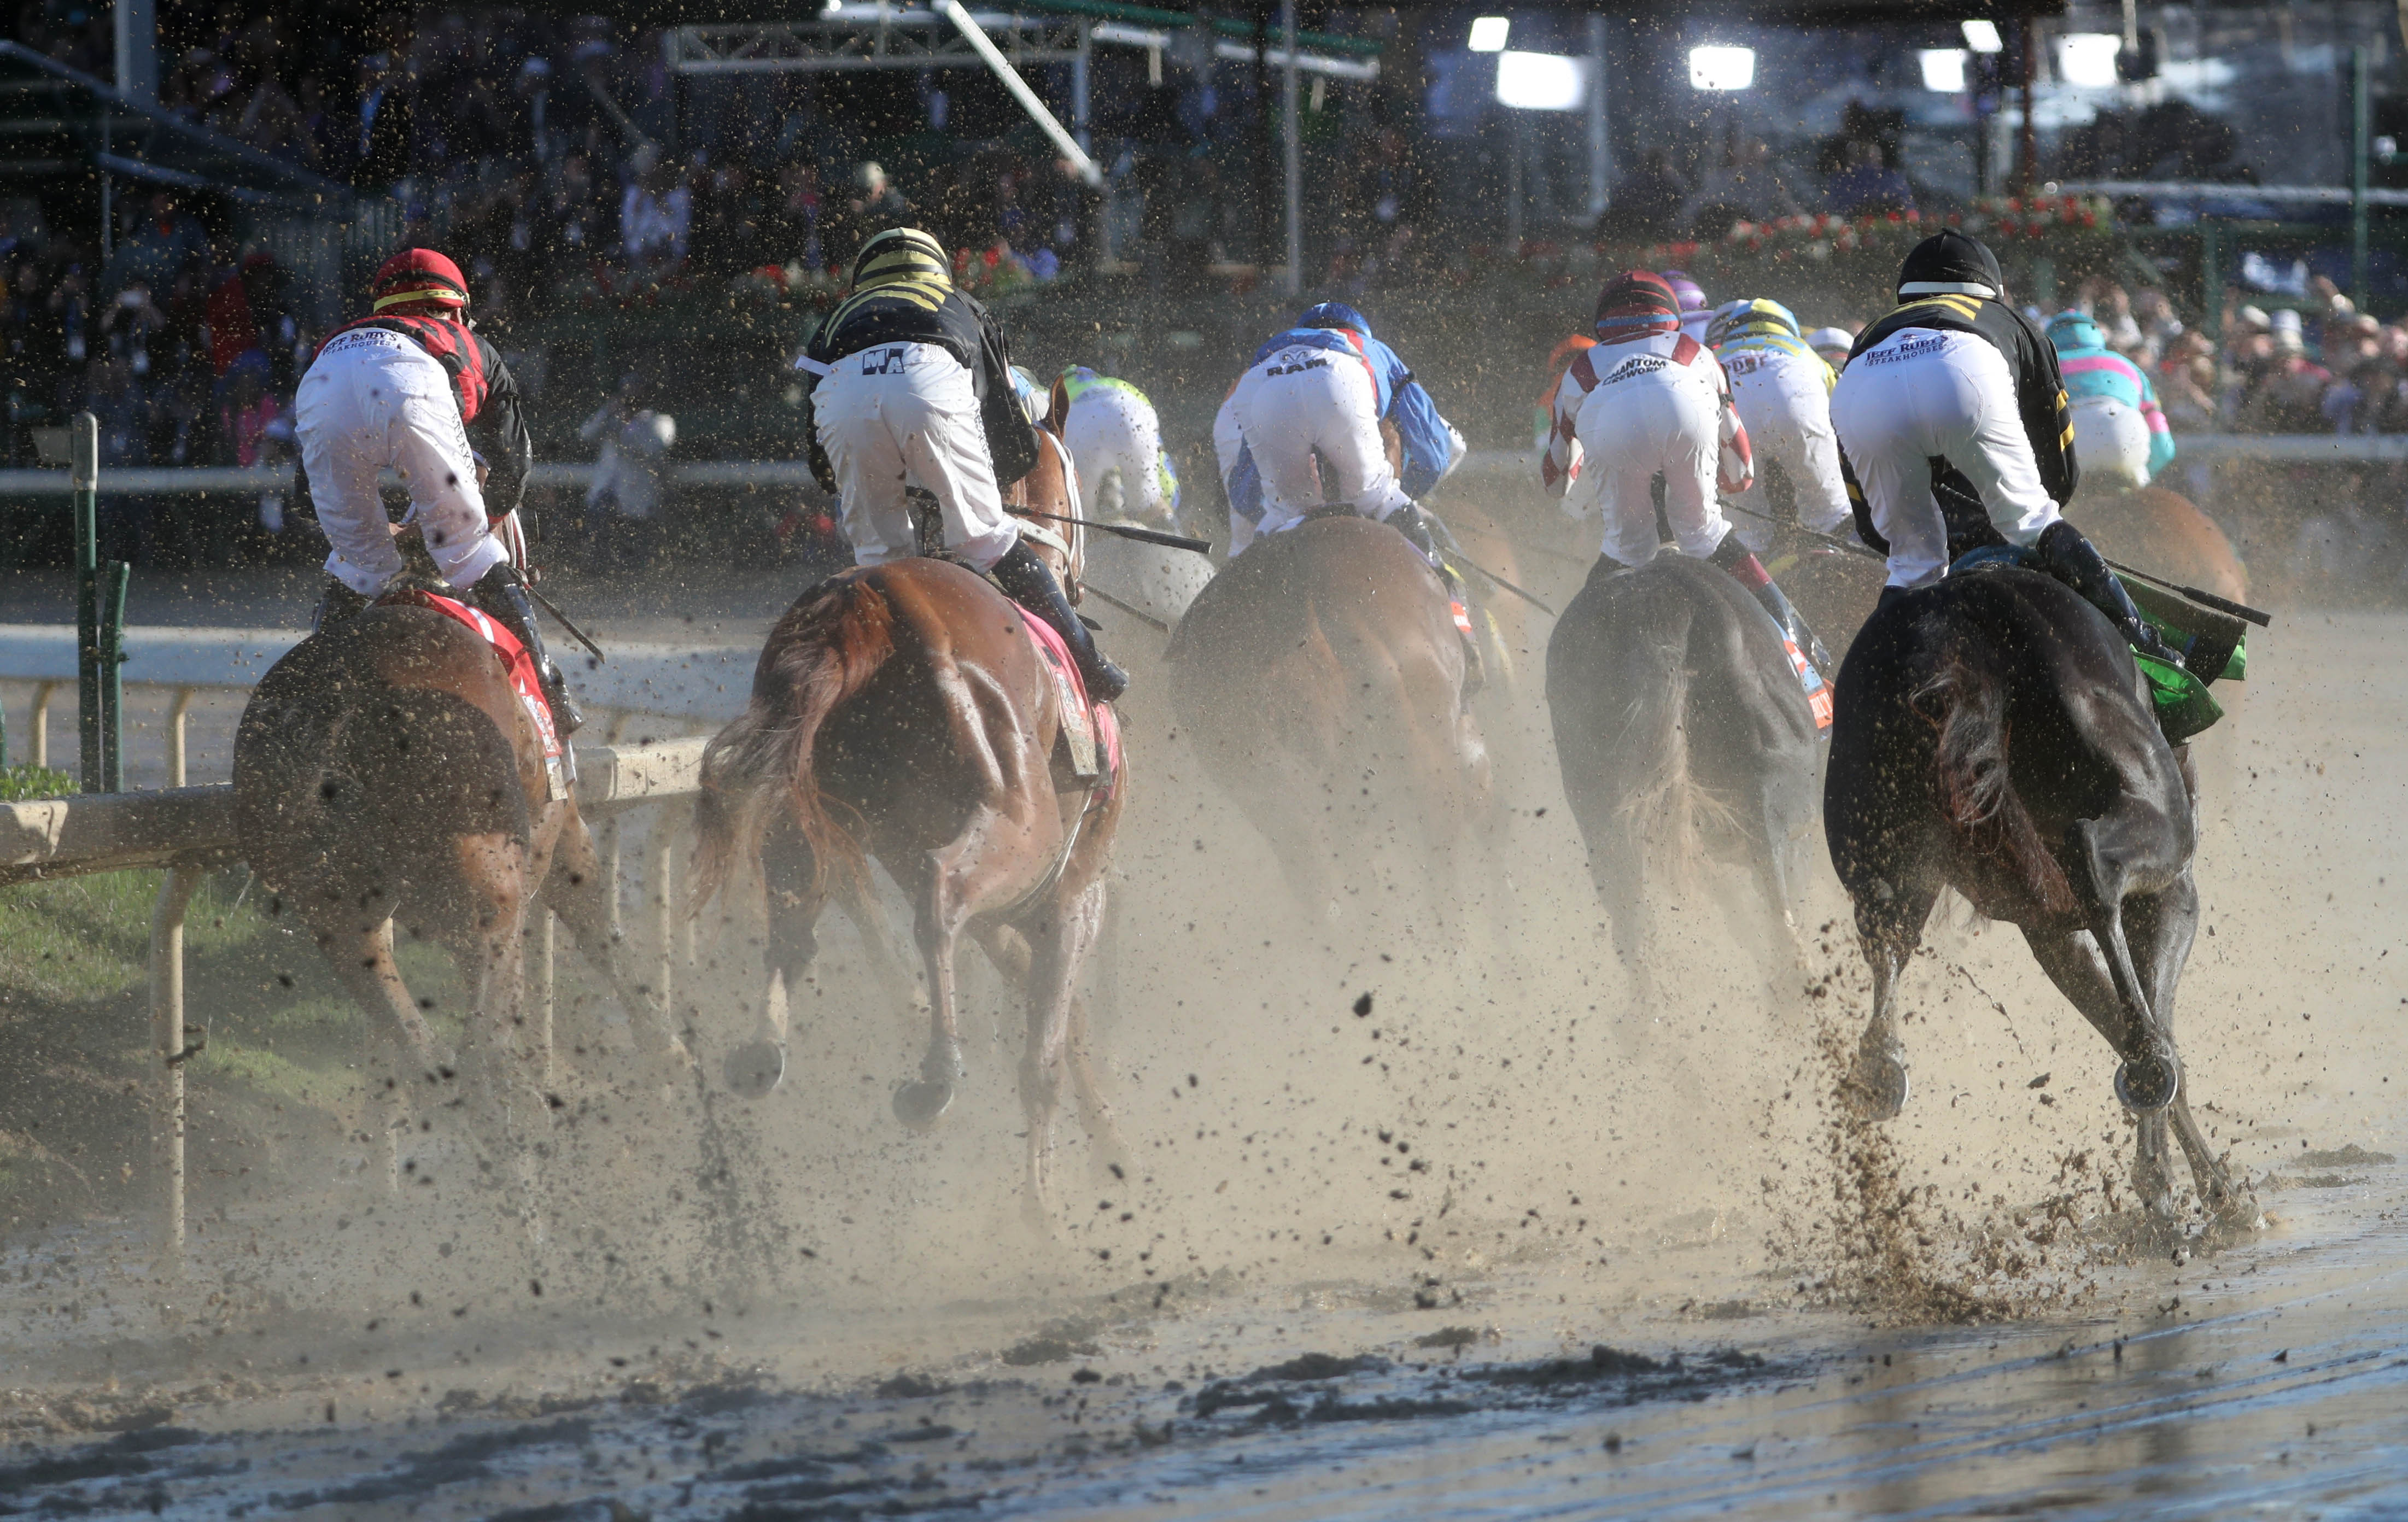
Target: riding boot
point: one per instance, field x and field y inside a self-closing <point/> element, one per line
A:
<point x="1028" y="581"/>
<point x="337" y="603"/>
<point x="502" y="596"/>
<point x="2072" y="559"/>
<point x="1738" y="559"/>
<point x="1422" y="532"/>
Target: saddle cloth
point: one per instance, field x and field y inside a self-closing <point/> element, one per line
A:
<point x="1087" y="729"/>
<point x="519" y="666"/>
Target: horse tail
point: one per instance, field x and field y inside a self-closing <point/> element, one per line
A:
<point x="1974" y="785"/>
<point x="822" y="653"/>
<point x="1662" y="802"/>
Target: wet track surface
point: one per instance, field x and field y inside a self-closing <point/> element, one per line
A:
<point x="2268" y="1379"/>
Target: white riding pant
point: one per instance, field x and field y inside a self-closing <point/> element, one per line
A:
<point x="905" y="414"/>
<point x="374" y="401"/>
<point x="1637" y="423"/>
<point x="1787" y="412"/>
<point x="1919" y="395"/>
<point x="2112" y="441"/>
<point x="1297" y="406"/>
<point x="1110" y="428"/>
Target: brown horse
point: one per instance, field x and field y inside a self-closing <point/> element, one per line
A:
<point x="2162" y="533"/>
<point x="1322" y="679"/>
<point x="385" y="771"/>
<point x="902" y="713"/>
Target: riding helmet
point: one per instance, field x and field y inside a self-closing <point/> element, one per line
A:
<point x="419" y="278"/>
<point x="1636" y="299"/>
<point x="1762" y="315"/>
<point x="1691" y="296"/>
<point x="1335" y="315"/>
<point x="1951" y="263"/>
<point x="901" y="254"/>
<point x="2074" y="330"/>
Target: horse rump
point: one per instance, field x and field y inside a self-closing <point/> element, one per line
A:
<point x="1973" y="781"/>
<point x="825" y="650"/>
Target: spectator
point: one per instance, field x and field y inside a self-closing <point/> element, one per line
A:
<point x="248" y="410"/>
<point x="656" y="214"/>
<point x="1744" y="186"/>
<point x="1645" y="206"/>
<point x="622" y="505"/>
<point x="874" y="206"/>
<point x="1865" y="186"/>
<point x="379" y="152"/>
<point x="159" y="250"/>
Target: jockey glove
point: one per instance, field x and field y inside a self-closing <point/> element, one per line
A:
<point x="1030" y="582"/>
<point x="2072" y="559"/>
<point x="503" y="597"/>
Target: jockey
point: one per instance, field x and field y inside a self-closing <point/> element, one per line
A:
<point x="912" y="386"/>
<point x="1110" y="430"/>
<point x="1650" y="399"/>
<point x="413" y="387"/>
<point x="2118" y="429"/>
<point x="1782" y="389"/>
<point x="1833" y="344"/>
<point x="1953" y="423"/>
<point x="1321" y="389"/>
<point x="1695" y="311"/>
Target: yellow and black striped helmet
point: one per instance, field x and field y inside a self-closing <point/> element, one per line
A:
<point x="901" y="254"/>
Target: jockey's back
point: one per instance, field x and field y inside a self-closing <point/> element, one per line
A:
<point x="2093" y="371"/>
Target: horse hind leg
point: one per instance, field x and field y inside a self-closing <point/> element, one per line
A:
<point x="2162" y="926"/>
<point x="1888" y="928"/>
<point x="1058" y="942"/>
<point x="361" y="952"/>
<point x="946" y="890"/>
<point x="576" y="890"/>
<point x="501" y="1061"/>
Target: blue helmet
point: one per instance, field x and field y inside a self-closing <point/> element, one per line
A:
<point x="2075" y="330"/>
<point x="1334" y="314"/>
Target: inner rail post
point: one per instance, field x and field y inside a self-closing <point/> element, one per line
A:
<point x="167" y="1041"/>
<point x="176" y="713"/>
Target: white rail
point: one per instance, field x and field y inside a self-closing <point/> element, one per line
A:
<point x="190" y="832"/>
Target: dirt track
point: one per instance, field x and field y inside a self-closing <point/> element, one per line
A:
<point x="1499" y="1161"/>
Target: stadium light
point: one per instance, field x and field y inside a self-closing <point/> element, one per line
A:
<point x="1943" y="69"/>
<point x="2088" y="58"/>
<point x="1982" y="36"/>
<point x="1721" y="68"/>
<point x="1488" y="33"/>
<point x="1540" y="81"/>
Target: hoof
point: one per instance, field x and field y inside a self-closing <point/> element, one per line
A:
<point x="1877" y="1089"/>
<point x="2149" y="1084"/>
<point x="754" y="1069"/>
<point x="919" y="1105"/>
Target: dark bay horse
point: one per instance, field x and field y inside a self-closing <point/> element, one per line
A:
<point x="1683" y="730"/>
<point x="902" y="713"/>
<point x="1321" y="677"/>
<point x="1992" y="736"/>
<point x="385" y="773"/>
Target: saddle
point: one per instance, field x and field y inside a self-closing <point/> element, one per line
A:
<point x="518" y="662"/>
<point x="2214" y="645"/>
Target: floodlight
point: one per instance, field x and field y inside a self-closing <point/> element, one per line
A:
<point x="1982" y="36"/>
<point x="1943" y="69"/>
<point x="2088" y="58"/>
<point x="1540" y="81"/>
<point x="1721" y="68"/>
<point x="1488" y="33"/>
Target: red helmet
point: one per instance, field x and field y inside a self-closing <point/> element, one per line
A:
<point x="419" y="278"/>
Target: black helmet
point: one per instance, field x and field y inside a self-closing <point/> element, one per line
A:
<point x="1951" y="263"/>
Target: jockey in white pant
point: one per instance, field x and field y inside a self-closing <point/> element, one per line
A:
<point x="1650" y="400"/>
<point x="1111" y="429"/>
<point x="2112" y="439"/>
<point x="1312" y="402"/>
<point x="1783" y="392"/>
<point x="414" y="389"/>
<point x="1954" y="427"/>
<point x="913" y="387"/>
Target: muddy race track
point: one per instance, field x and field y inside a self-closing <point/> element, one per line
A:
<point x="1409" y="1226"/>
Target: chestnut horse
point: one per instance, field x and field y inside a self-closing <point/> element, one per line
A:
<point x="384" y="772"/>
<point x="1322" y="679"/>
<point x="903" y="712"/>
<point x="2162" y="533"/>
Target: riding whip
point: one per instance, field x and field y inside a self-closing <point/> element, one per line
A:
<point x="580" y="635"/>
<point x="1127" y="531"/>
<point x="1140" y="615"/>
<point x="1455" y="555"/>
<point x="2205" y="599"/>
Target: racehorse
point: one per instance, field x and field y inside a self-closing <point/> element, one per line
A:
<point x="384" y="771"/>
<point x="1682" y="729"/>
<point x="904" y="712"/>
<point x="2160" y="531"/>
<point x="1322" y="661"/>
<point x="1992" y="736"/>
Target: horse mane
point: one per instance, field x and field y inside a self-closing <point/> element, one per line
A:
<point x="1973" y="785"/>
<point x="825" y="650"/>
